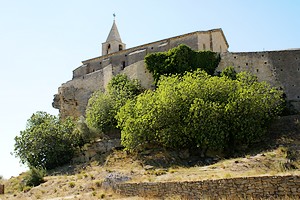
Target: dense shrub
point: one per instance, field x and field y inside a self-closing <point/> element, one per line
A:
<point x="34" y="177"/>
<point x="180" y="60"/>
<point x="100" y="113"/>
<point x="103" y="107"/>
<point x="200" y="111"/>
<point x="47" y="142"/>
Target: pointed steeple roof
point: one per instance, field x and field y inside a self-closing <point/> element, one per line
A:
<point x="114" y="34"/>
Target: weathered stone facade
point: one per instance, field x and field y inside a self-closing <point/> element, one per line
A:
<point x="95" y="73"/>
<point x="280" y="68"/>
<point x="264" y="187"/>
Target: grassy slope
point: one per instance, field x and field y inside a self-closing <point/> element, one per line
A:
<point x="279" y="155"/>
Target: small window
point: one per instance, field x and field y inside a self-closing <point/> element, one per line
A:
<point x="204" y="47"/>
<point x="257" y="70"/>
<point x="247" y="64"/>
<point x="107" y="50"/>
<point x="265" y="63"/>
<point x="120" y="47"/>
<point x="123" y="65"/>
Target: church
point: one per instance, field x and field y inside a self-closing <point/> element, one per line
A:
<point x="279" y="68"/>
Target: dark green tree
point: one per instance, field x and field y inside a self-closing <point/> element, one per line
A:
<point x="200" y="111"/>
<point x="180" y="60"/>
<point x="103" y="107"/>
<point x="46" y="142"/>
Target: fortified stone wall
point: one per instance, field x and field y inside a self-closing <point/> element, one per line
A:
<point x="72" y="97"/>
<point x="264" y="187"/>
<point x="139" y="71"/>
<point x="95" y="73"/>
<point x="279" y="68"/>
<point x="213" y="40"/>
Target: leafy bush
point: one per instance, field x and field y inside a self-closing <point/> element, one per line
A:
<point x="229" y="72"/>
<point x="34" y="177"/>
<point x="103" y="107"/>
<point x="200" y="111"/>
<point x="180" y="60"/>
<point x="100" y="112"/>
<point x="46" y="142"/>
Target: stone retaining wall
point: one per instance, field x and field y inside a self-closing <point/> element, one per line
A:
<point x="236" y="188"/>
<point x="97" y="151"/>
<point x="1" y="189"/>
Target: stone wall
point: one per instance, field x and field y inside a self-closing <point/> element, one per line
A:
<point x="139" y="71"/>
<point x="1" y="189"/>
<point x="95" y="73"/>
<point x="236" y="188"/>
<point x="96" y="151"/>
<point x="279" y="68"/>
<point x="213" y="40"/>
<point x="73" y="96"/>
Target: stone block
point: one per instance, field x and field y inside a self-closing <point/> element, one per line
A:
<point x="1" y="189"/>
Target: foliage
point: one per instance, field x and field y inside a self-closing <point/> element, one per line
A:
<point x="229" y="72"/>
<point x="34" y="177"/>
<point x="179" y="60"/>
<point x="102" y="107"/>
<point x="46" y="142"/>
<point x="100" y="112"/>
<point x="121" y="88"/>
<point x="200" y="111"/>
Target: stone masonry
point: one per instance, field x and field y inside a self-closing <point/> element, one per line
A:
<point x="95" y="73"/>
<point x="279" y="68"/>
<point x="1" y="189"/>
<point x="263" y="187"/>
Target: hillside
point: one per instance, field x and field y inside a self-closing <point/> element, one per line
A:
<point x="279" y="154"/>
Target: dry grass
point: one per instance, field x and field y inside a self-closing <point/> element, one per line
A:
<point x="85" y="181"/>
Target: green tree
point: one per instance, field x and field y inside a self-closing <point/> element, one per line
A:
<point x="229" y="72"/>
<point x="34" y="177"/>
<point x="103" y="107"/>
<point x="180" y="60"/>
<point x="199" y="111"/>
<point x="100" y="113"/>
<point x="46" y="142"/>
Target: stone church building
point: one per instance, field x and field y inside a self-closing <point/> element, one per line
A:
<point x="280" y="68"/>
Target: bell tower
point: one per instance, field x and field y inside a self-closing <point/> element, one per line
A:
<point x="113" y="42"/>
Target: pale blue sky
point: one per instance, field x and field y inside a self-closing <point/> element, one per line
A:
<point x="41" y="42"/>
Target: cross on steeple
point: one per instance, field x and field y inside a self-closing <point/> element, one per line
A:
<point x="113" y="42"/>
